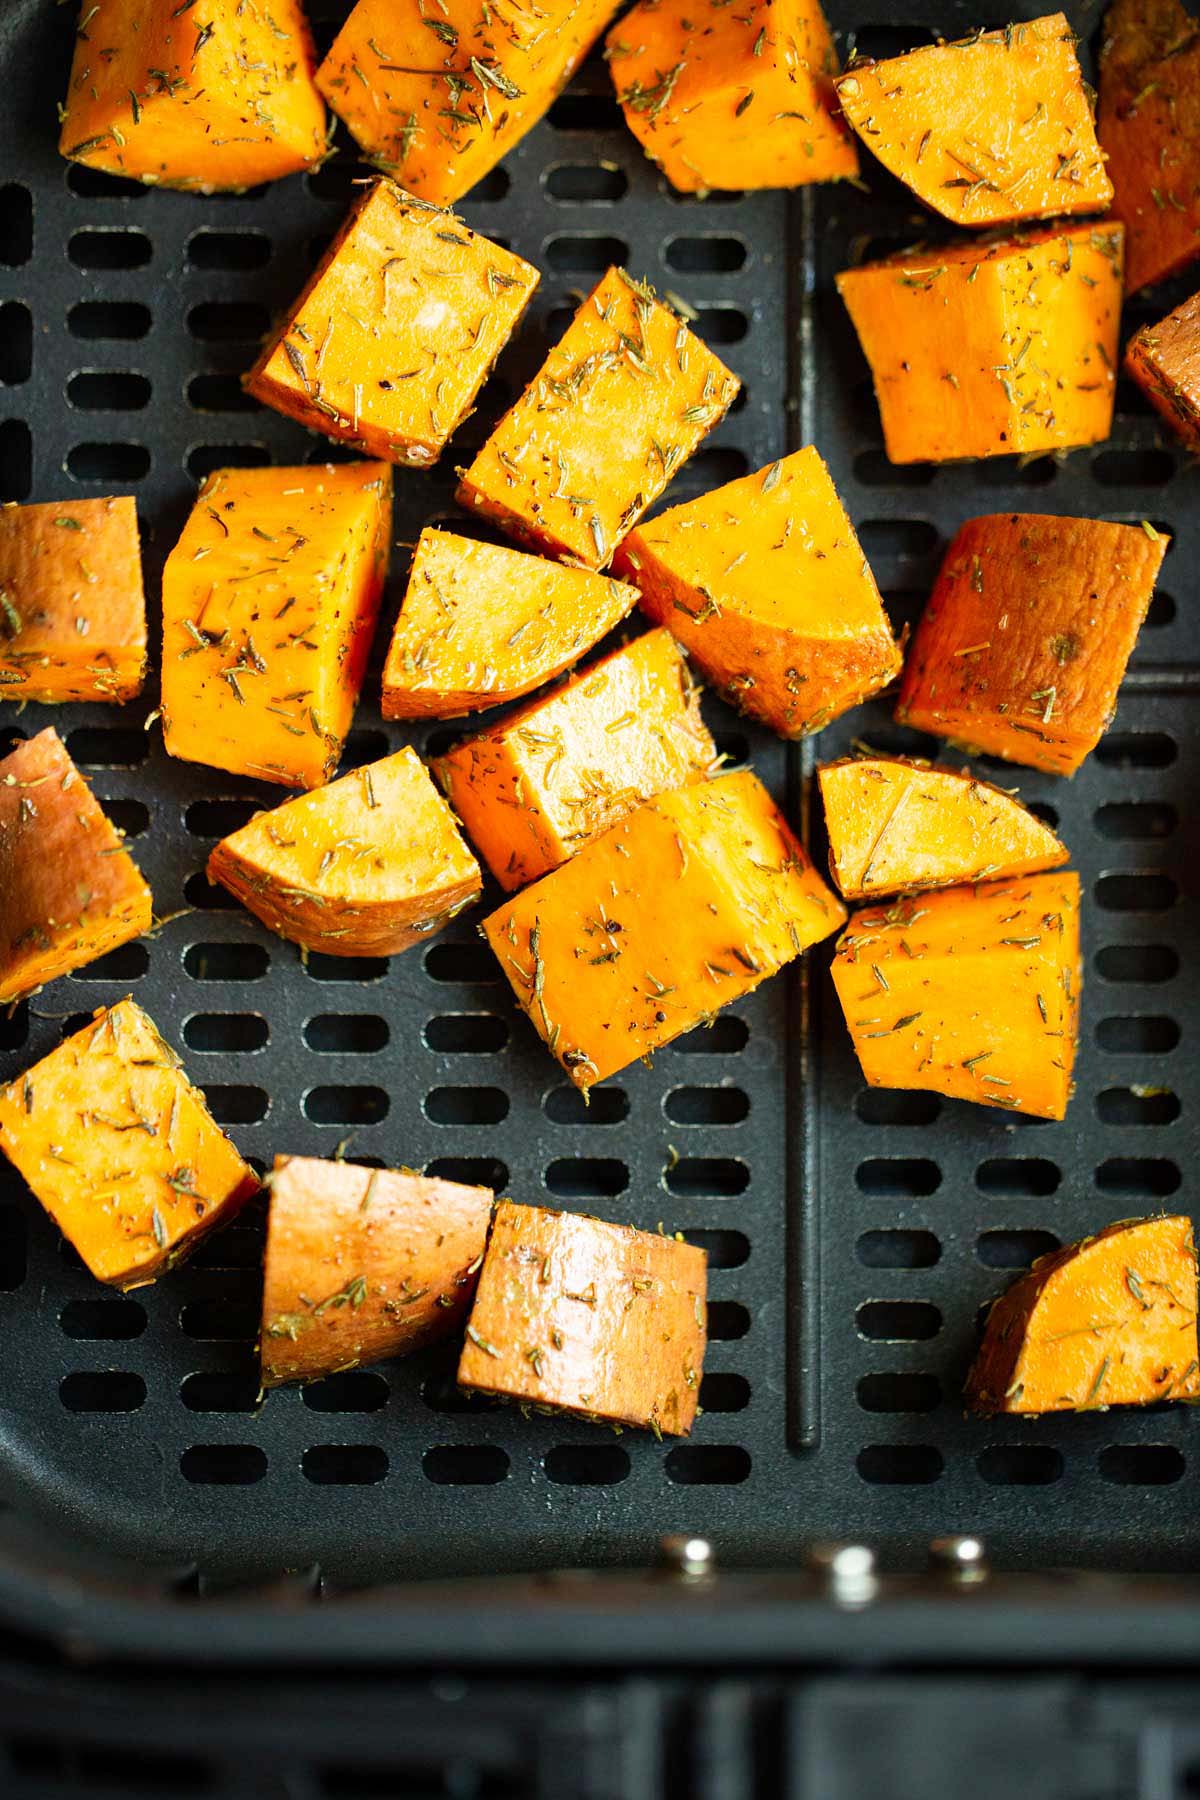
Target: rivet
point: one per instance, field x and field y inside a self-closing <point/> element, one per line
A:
<point x="691" y="1558"/>
<point x="849" y="1569"/>
<point x="964" y="1557"/>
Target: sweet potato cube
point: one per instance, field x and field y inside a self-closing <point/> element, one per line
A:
<point x="225" y="99"/>
<point x="1164" y="360"/>
<point x="896" y="826"/>
<point x="534" y="789"/>
<point x="481" y="623"/>
<point x="620" y="403"/>
<point x="1150" y="131"/>
<point x="971" y="992"/>
<point x="437" y="95"/>
<point x="69" y="890"/>
<point x="995" y="128"/>
<point x="72" y="610"/>
<point x="1109" y="1321"/>
<point x="364" y="1263"/>
<point x="588" y="1318"/>
<point x="269" y="601"/>
<point x="732" y="97"/>
<point x="364" y="867"/>
<point x="766" y="584"/>
<point x="1021" y="648"/>
<point x="396" y="331"/>
<point x="121" y="1149"/>
<point x="991" y="349"/>
<point x="689" y="903"/>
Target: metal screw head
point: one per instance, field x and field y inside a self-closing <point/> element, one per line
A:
<point x="691" y="1558"/>
<point x="964" y="1557"/>
<point x="850" y="1570"/>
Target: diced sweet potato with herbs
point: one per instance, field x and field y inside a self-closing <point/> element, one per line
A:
<point x="534" y="789"/>
<point x="732" y="97"/>
<point x="1150" y="132"/>
<point x="1109" y="1321"/>
<point x="766" y="584"/>
<point x="690" y="902"/>
<point x="1022" y="646"/>
<point x="992" y="129"/>
<point x="72" y="609"/>
<point x="364" y="867"/>
<point x="438" y="94"/>
<point x="1164" y="360"/>
<point x="223" y="98"/>
<point x="396" y="331"/>
<point x="121" y="1149"/>
<point x="620" y="403"/>
<point x="69" y="890"/>
<point x="992" y="349"/>
<point x="583" y="1317"/>
<point x="897" y="826"/>
<point x="269" y="602"/>
<point x="480" y="624"/>
<point x="971" y="992"/>
<point x="362" y="1264"/>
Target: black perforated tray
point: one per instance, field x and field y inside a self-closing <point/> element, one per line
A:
<point x="852" y="1236"/>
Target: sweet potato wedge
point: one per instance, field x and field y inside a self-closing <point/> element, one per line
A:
<point x="896" y="826"/>
<point x="362" y="1264"/>
<point x="269" y="601"/>
<point x="480" y="624"/>
<point x="1109" y="1321"/>
<point x="971" y="992"/>
<point x="689" y="903"/>
<point x="619" y="405"/>
<point x="534" y="789"/>
<point x="732" y="97"/>
<point x="766" y="584"/>
<point x="995" y="128"/>
<point x="72" y="609"/>
<point x="1164" y="360"/>
<point x="69" y="890"/>
<point x="121" y="1149"/>
<point x="583" y="1317"/>
<point x="1021" y="648"/>
<point x="992" y="348"/>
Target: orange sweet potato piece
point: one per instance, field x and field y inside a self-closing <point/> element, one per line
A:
<point x="72" y="610"/>
<point x="1150" y="131"/>
<point x="689" y="903"/>
<point x="364" y="867"/>
<point x="121" y="1149"/>
<point x="732" y="97"/>
<point x="766" y="584"/>
<point x="619" y="405"/>
<point x="896" y="826"/>
<point x="438" y="94"/>
<point x="396" y="330"/>
<point x="1109" y="1321"/>
<point x="481" y="624"/>
<point x="994" y="128"/>
<point x="534" y="789"/>
<point x="223" y="99"/>
<point x="362" y="1264"/>
<point x="269" y="601"/>
<point x="69" y="890"/>
<point x="992" y="348"/>
<point x="1021" y="648"/>
<point x="971" y="992"/>
<point x="1164" y="360"/>
<point x="588" y="1318"/>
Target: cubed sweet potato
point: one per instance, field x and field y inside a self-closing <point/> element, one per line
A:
<point x="362" y="1264"/>
<point x="1109" y="1321"/>
<point x="1021" y="648"/>
<point x="1164" y="360"/>
<point x="588" y="1318"/>
<point x="1150" y="132"/>
<point x="766" y="584"/>
<point x="121" y="1149"/>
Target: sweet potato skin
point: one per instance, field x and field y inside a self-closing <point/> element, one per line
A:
<point x="1150" y="131"/>
<point x="363" y="1264"/>
<point x="1109" y="1321"/>
<point x="1022" y="646"/>
<point x="1164" y="360"/>
<point x="597" y="1320"/>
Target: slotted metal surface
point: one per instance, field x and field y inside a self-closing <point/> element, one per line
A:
<point x="852" y="1238"/>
